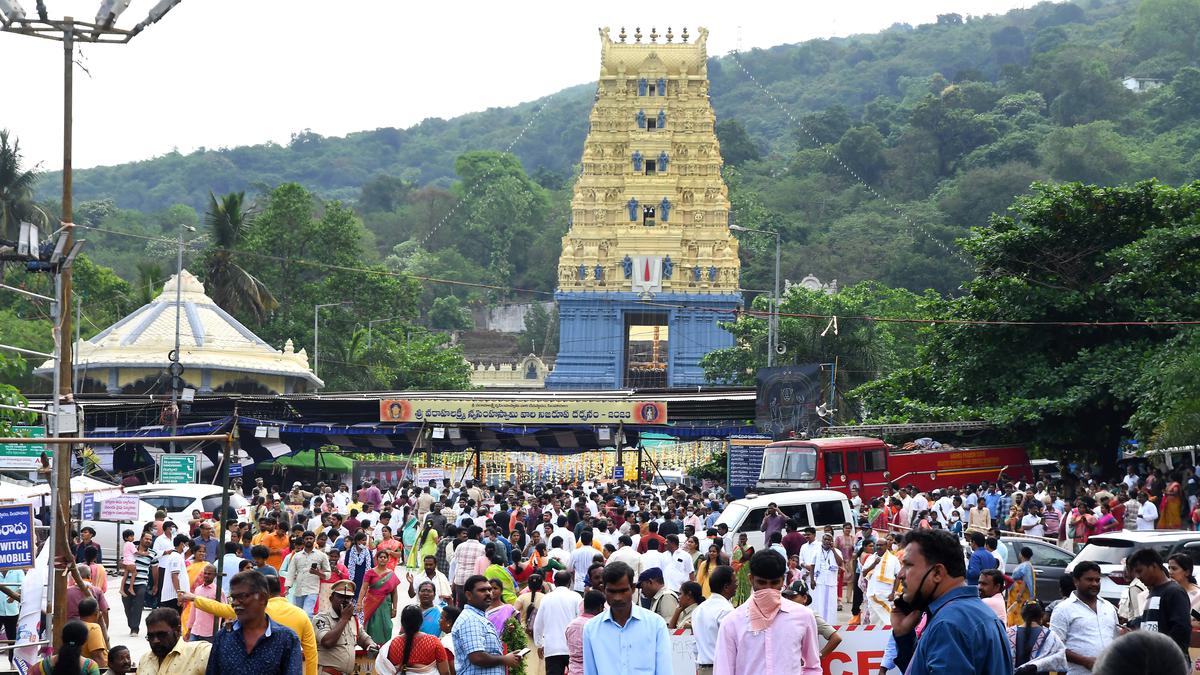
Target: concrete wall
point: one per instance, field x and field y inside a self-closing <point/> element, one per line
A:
<point x="509" y="318"/>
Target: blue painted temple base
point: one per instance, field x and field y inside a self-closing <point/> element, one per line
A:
<point x="591" y="352"/>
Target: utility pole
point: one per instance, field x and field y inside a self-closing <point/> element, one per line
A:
<point x="68" y="31"/>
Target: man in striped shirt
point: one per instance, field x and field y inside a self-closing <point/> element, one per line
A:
<point x="133" y="587"/>
<point x="465" y="555"/>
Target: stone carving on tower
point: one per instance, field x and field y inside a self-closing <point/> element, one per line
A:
<point x="649" y="239"/>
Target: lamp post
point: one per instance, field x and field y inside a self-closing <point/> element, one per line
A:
<point x="68" y="31"/>
<point x="176" y="369"/>
<point x="773" y="324"/>
<point x="317" y="333"/>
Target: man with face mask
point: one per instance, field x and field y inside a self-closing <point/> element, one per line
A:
<point x="765" y="635"/>
<point x="169" y="655"/>
<point x="961" y="635"/>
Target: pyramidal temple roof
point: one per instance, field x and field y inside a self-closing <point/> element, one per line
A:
<point x="209" y="338"/>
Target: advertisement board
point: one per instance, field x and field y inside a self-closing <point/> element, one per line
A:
<point x="859" y="653"/>
<point x="430" y="474"/>
<point x="23" y="455"/>
<point x="16" y="536"/>
<point x="505" y="411"/>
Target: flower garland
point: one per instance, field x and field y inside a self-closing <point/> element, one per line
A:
<point x="515" y="639"/>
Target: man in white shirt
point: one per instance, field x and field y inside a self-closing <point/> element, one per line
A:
<point x="880" y="570"/>
<point x="1084" y="622"/>
<point x="558" y="609"/>
<point x="568" y="537"/>
<point x="627" y="554"/>
<point x="1131" y="478"/>
<point x="174" y="576"/>
<point x="1147" y="513"/>
<point x="679" y="566"/>
<point x="942" y="508"/>
<point x="706" y="619"/>
<point x="581" y="559"/>
<point x="1031" y="523"/>
<point x="653" y="557"/>
<point x="165" y="541"/>
<point x="808" y="553"/>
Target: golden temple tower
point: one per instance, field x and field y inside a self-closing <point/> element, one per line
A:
<point x="648" y="267"/>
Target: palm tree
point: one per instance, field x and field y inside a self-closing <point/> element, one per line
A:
<point x="229" y="284"/>
<point x="16" y="189"/>
<point x="150" y="281"/>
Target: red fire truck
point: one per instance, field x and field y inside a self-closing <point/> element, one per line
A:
<point x="870" y="464"/>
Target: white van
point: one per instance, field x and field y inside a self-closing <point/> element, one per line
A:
<point x="817" y="508"/>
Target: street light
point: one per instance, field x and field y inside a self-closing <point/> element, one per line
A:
<point x="317" y="333"/>
<point x="68" y="31"/>
<point x="773" y="324"/>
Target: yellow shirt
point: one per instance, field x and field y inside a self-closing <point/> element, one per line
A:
<point x="186" y="658"/>
<point x="95" y="640"/>
<point x="282" y="612"/>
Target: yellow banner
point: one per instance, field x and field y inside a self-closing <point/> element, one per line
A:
<point x="537" y="411"/>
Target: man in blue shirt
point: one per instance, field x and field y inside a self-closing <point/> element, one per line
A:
<point x="981" y="558"/>
<point x="620" y="637"/>
<point x="476" y="644"/>
<point x="961" y="635"/>
<point x="992" y="501"/>
<point x="254" y="643"/>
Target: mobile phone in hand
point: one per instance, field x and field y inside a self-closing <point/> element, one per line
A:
<point x="902" y="605"/>
<point x="522" y="652"/>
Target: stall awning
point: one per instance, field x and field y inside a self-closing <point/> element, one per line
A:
<point x="305" y="459"/>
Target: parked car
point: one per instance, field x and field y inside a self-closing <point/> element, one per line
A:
<point x="1110" y="551"/>
<point x="817" y="508"/>
<point x="178" y="500"/>
<point x="1049" y="563"/>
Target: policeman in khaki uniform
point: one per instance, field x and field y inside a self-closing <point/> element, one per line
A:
<point x="338" y="632"/>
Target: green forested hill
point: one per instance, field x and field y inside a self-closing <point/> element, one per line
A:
<point x="946" y="123"/>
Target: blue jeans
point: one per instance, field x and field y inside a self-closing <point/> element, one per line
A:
<point x="307" y="602"/>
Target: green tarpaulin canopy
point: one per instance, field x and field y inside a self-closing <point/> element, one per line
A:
<point x="329" y="461"/>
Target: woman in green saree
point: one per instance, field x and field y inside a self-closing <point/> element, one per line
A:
<point x="379" y="601"/>
<point x="741" y="568"/>
<point x="426" y="544"/>
<point x="498" y="572"/>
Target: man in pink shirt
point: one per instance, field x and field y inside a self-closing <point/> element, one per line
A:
<point x="766" y="636"/>
<point x="593" y="604"/>
<point x="991" y="591"/>
<point x="200" y="623"/>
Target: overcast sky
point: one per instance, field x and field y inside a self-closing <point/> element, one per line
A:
<point x="222" y="73"/>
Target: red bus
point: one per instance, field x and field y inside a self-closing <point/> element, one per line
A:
<point x="870" y="464"/>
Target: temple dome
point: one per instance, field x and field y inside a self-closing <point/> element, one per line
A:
<point x="216" y="350"/>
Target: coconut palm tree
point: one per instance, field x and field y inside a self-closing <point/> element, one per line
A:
<point x="150" y="281"/>
<point x="230" y="285"/>
<point x="16" y="190"/>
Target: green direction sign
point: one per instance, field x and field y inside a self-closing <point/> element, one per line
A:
<point x="177" y="468"/>
<point x="23" y="455"/>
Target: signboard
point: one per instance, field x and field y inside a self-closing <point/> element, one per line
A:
<point x="235" y="470"/>
<point x="176" y="468"/>
<point x="430" y="474"/>
<point x="88" y="509"/>
<point x="120" y="508"/>
<point x="619" y="472"/>
<point x="787" y="399"/>
<point x="744" y="463"/>
<point x="505" y="411"/>
<point x="23" y="455"/>
<point x="16" y="536"/>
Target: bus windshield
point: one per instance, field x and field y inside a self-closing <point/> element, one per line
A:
<point x="789" y="463"/>
<point x="801" y="464"/>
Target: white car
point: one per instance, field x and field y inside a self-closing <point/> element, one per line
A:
<point x="817" y="508"/>
<point x="178" y="500"/>
<point x="1110" y="550"/>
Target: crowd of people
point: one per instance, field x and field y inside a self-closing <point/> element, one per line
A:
<point x="591" y="579"/>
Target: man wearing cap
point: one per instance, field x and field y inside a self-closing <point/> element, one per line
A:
<point x="655" y="596"/>
<point x="338" y="632"/>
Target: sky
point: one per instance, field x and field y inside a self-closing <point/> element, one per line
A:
<point x="224" y="73"/>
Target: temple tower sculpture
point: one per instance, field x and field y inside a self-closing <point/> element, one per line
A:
<point x="649" y="266"/>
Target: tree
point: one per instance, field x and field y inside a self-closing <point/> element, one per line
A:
<point x="736" y="145"/>
<point x="150" y="280"/>
<point x="540" y="336"/>
<point x="229" y="284"/>
<point x="16" y="190"/>
<point x="862" y="150"/>
<point x="1166" y="26"/>
<point x="447" y="314"/>
<point x="1068" y="253"/>
<point x="383" y="193"/>
<point x="1090" y="153"/>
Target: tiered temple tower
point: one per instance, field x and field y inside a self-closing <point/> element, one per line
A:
<point x="649" y="254"/>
